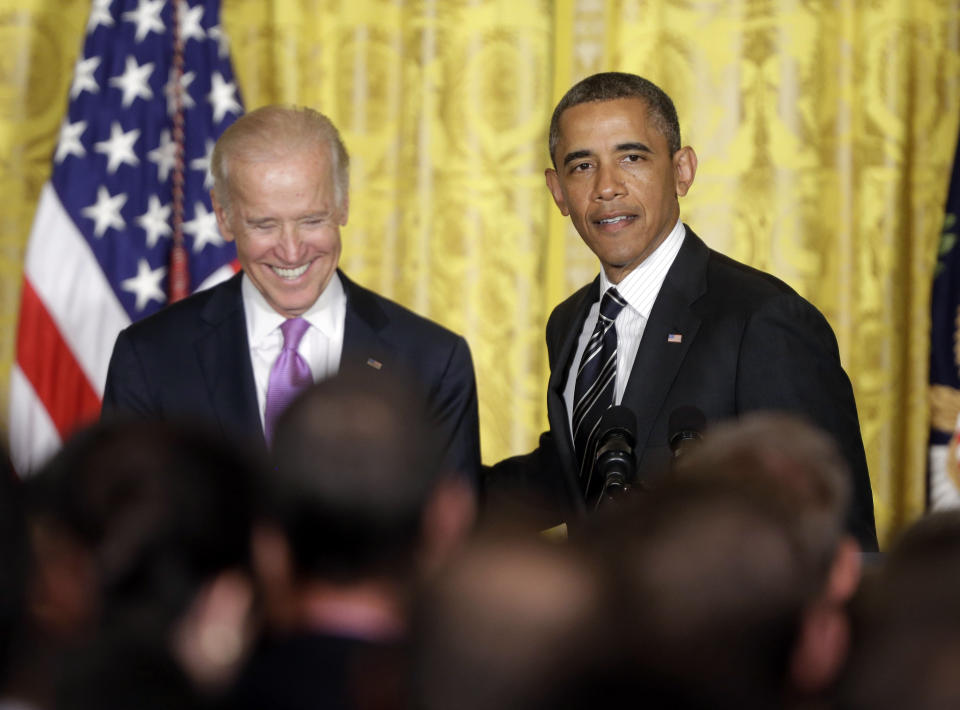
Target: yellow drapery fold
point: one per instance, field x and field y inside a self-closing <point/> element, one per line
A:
<point x="825" y="132"/>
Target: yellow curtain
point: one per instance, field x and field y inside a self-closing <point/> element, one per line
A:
<point x="825" y="131"/>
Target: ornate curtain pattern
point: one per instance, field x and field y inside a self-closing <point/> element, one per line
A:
<point x="825" y="131"/>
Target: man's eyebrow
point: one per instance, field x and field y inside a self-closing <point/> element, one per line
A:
<point x="575" y="155"/>
<point x="636" y="147"/>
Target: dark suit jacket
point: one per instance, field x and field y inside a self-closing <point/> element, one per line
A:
<point x="310" y="670"/>
<point x="192" y="359"/>
<point x="749" y="342"/>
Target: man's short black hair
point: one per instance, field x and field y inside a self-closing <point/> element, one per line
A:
<point x="163" y="506"/>
<point x="607" y="86"/>
<point x="354" y="465"/>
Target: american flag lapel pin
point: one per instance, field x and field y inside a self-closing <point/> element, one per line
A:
<point x="674" y="338"/>
<point x="375" y="364"/>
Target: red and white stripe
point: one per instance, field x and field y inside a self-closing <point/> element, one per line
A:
<point x="69" y="320"/>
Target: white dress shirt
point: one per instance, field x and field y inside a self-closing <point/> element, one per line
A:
<point x="321" y="346"/>
<point x="639" y="289"/>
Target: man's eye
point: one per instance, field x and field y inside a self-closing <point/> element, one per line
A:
<point x="633" y="158"/>
<point x="580" y="167"/>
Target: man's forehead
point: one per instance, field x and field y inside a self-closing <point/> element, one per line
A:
<point x="609" y="125"/>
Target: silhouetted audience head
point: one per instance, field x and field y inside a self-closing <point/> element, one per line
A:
<point x="359" y="510"/>
<point x="713" y="585"/>
<point x="800" y="469"/>
<point x="161" y="507"/>
<point x="909" y="650"/>
<point x="142" y="537"/>
<point x="798" y="463"/>
<point x="919" y="566"/>
<point x="14" y="567"/>
<point x="517" y="623"/>
<point x="356" y="469"/>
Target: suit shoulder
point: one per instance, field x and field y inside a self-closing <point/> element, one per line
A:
<point x="380" y="308"/>
<point x="567" y="309"/>
<point x="736" y="284"/>
<point x="722" y="269"/>
<point x="174" y="320"/>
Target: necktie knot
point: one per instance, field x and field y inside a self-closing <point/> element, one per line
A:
<point x="611" y="304"/>
<point x="293" y="330"/>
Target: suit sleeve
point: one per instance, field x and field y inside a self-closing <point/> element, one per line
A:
<point x="454" y="411"/>
<point x="790" y="361"/>
<point x="528" y="488"/>
<point x="126" y="390"/>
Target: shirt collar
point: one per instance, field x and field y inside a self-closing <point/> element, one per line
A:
<point x="640" y="287"/>
<point x="262" y="320"/>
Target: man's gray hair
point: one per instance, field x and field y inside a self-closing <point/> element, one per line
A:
<point x="279" y="130"/>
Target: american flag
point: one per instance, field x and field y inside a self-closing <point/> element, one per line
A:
<point x="154" y="75"/>
<point x="944" y="464"/>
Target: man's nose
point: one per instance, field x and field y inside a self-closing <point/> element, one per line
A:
<point x="609" y="183"/>
<point x="290" y="245"/>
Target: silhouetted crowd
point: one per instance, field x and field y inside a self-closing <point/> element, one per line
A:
<point x="160" y="565"/>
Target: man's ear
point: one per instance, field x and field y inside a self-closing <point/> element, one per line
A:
<point x="273" y="567"/>
<point x="553" y="183"/>
<point x="447" y="520"/>
<point x="845" y="571"/>
<point x="344" y="211"/>
<point x="212" y="637"/>
<point x="821" y="648"/>
<point x="685" y="169"/>
<point x="823" y="640"/>
<point x="222" y="221"/>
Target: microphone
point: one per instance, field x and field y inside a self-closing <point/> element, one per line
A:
<point x="686" y="427"/>
<point x="616" y="461"/>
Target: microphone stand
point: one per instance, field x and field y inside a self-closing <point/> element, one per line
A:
<point x="618" y="464"/>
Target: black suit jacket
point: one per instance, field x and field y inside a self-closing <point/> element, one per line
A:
<point x="192" y="359"/>
<point x="748" y="342"/>
<point x="310" y="670"/>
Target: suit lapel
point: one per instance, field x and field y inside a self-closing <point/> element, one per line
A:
<point x="223" y="350"/>
<point x="363" y="347"/>
<point x="668" y="335"/>
<point x="560" y="367"/>
<point x="561" y="352"/>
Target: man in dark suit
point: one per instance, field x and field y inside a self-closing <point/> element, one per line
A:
<point x="682" y="325"/>
<point x="281" y="178"/>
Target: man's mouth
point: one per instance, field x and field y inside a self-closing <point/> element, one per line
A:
<point x="291" y="274"/>
<point x="616" y="219"/>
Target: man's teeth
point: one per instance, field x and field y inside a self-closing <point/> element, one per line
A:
<point x="612" y="220"/>
<point x="290" y="273"/>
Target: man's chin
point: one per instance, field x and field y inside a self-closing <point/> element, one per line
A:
<point x="291" y="307"/>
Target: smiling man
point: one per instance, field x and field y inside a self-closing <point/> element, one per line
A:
<point x="237" y="353"/>
<point x="668" y="323"/>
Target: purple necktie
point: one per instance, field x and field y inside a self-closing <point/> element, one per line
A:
<point x="289" y="375"/>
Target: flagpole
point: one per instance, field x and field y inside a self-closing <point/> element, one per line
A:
<point x="179" y="283"/>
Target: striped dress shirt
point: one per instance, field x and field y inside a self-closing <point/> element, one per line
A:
<point x="639" y="288"/>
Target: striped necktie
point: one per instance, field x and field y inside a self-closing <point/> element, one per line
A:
<point x="595" y="387"/>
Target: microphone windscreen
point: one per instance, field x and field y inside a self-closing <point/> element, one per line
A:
<point x="686" y="418"/>
<point x="618" y="419"/>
